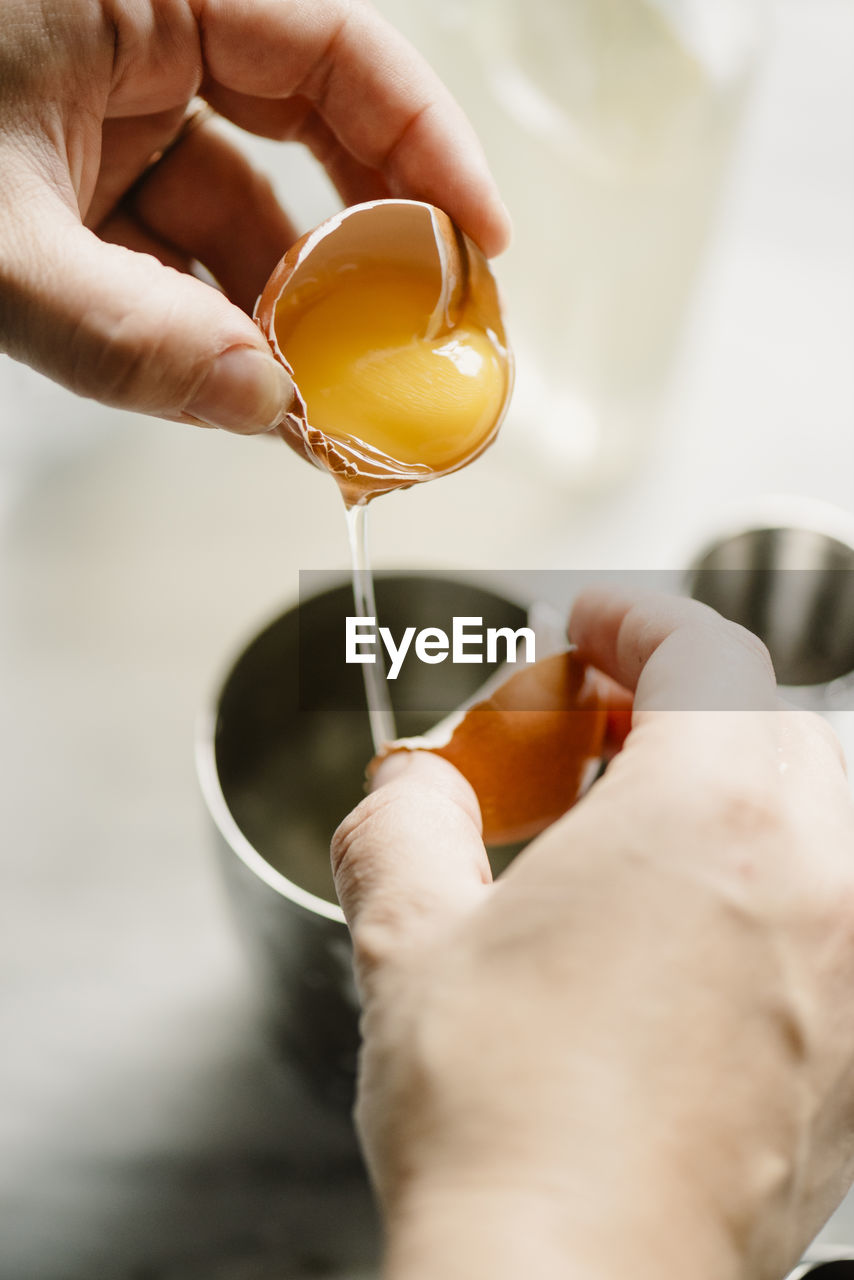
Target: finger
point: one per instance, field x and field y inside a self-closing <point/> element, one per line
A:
<point x="679" y="655"/>
<point x="675" y="654"/>
<point x="123" y="229"/>
<point x="207" y="199"/>
<point x="376" y="94"/>
<point x="123" y="328"/>
<point x="127" y="146"/>
<point x="619" y="703"/>
<point x="295" y="120"/>
<point x="409" y="855"/>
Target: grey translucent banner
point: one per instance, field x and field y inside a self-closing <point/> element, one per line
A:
<point x="441" y="635"/>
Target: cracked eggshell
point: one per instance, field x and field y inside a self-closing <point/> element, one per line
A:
<point x="411" y="234"/>
<point x="529" y="750"/>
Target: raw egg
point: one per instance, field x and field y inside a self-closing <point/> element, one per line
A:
<point x="388" y="319"/>
<point x="529" y="750"/>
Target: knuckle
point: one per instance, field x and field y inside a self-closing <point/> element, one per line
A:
<point x="749" y="808"/>
<point x="756" y="647"/>
<point x="375" y="941"/>
<point x="346" y="836"/>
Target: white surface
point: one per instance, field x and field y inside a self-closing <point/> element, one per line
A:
<point x="139" y="1123"/>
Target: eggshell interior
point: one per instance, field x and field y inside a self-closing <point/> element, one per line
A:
<point x="529" y="750"/>
<point x="396" y="232"/>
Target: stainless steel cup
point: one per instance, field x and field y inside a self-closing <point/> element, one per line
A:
<point x="281" y="757"/>
<point x="838" y="1268"/>
<point x="791" y="582"/>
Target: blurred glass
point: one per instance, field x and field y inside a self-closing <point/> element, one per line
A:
<point x="608" y="124"/>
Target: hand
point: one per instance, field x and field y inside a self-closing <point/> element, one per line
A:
<point x="634" y="1054"/>
<point x="90" y="90"/>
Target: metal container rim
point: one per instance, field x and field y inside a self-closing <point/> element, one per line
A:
<point x="214" y="796"/>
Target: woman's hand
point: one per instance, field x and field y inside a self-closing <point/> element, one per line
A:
<point x="91" y="90"/>
<point x="634" y="1054"/>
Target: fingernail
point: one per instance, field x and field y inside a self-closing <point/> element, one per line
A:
<point x="419" y="765"/>
<point x="391" y="767"/>
<point x="245" y="390"/>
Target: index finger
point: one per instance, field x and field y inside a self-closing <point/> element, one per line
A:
<point x="674" y="653"/>
<point x="380" y="100"/>
<point x="679" y="655"/>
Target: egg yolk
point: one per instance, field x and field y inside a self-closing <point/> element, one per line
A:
<point x="365" y="368"/>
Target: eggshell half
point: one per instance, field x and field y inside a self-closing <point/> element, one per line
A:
<point x="529" y="750"/>
<point x="404" y="232"/>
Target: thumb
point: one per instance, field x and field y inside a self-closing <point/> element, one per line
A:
<point x="120" y="327"/>
<point x="409" y="856"/>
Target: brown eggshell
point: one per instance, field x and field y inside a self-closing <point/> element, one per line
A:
<point x="529" y="750"/>
<point x="411" y="234"/>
